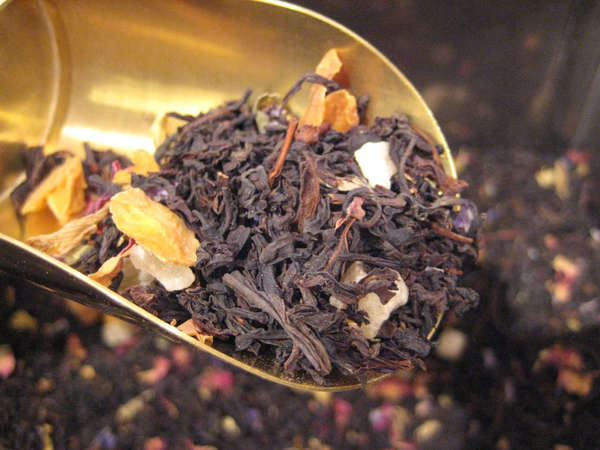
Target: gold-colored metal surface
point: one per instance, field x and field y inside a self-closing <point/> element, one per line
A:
<point x="102" y="71"/>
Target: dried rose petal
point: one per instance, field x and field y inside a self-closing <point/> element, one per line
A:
<point x="159" y="370"/>
<point x="154" y="226"/>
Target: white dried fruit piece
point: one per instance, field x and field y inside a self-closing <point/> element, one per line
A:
<point x="451" y="344"/>
<point x="371" y="304"/>
<point x="154" y="226"/>
<point x="378" y="312"/>
<point x="353" y="274"/>
<point x="173" y="277"/>
<point x="375" y="162"/>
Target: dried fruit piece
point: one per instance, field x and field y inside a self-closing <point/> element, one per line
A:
<point x="70" y="235"/>
<point x="341" y="110"/>
<point x="375" y="163"/>
<point x="107" y="271"/>
<point x="39" y="222"/>
<point x="154" y="226"/>
<point x="338" y="108"/>
<point x="63" y="191"/>
<point x="143" y="164"/>
<point x="173" y="277"/>
<point x="378" y="312"/>
<point x="371" y="303"/>
<point x="68" y="198"/>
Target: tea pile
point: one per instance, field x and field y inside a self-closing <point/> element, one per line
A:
<point x="323" y="243"/>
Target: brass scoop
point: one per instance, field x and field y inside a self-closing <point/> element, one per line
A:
<point x="103" y="71"/>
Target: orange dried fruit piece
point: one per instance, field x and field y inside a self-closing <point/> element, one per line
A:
<point x="154" y="226"/>
<point x="328" y="67"/>
<point x="107" y="271"/>
<point x="40" y="222"/>
<point x="143" y="164"/>
<point x="340" y="110"/>
<point x="68" y="199"/>
<point x="62" y="190"/>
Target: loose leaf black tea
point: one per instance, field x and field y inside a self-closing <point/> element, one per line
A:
<point x="295" y="252"/>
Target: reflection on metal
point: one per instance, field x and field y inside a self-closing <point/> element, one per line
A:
<point x="103" y="71"/>
<point x="114" y="139"/>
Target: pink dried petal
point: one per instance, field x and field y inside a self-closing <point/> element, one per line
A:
<point x="355" y="208"/>
<point x="160" y="369"/>
<point x="75" y="348"/>
<point x="342" y="413"/>
<point x="181" y="356"/>
<point x="7" y="361"/>
<point x="218" y="380"/>
<point x="392" y="389"/>
<point x="381" y="418"/>
<point x="155" y="443"/>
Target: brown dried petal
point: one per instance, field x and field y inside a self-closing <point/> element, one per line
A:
<point x="70" y="235"/>
<point x="188" y="327"/>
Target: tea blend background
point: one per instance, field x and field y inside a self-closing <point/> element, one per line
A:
<point x="513" y="89"/>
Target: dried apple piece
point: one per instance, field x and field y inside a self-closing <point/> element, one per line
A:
<point x="154" y="226"/>
<point x="70" y="235"/>
<point x="143" y="164"/>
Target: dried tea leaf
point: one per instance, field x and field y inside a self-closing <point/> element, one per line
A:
<point x="340" y="110"/>
<point x="154" y="226"/>
<point x="143" y="164"/>
<point x="63" y="190"/>
<point x="70" y="235"/>
<point x="173" y="277"/>
<point x="188" y="327"/>
<point x="309" y="191"/>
